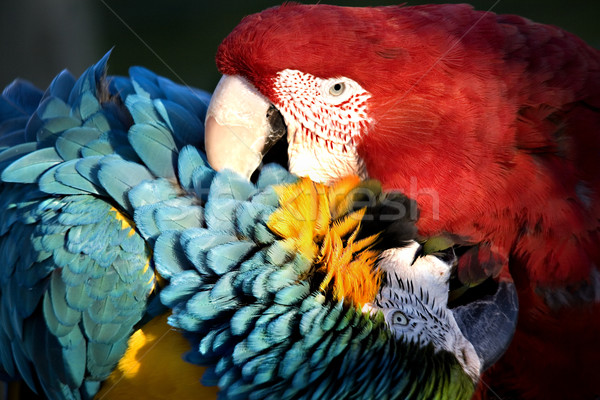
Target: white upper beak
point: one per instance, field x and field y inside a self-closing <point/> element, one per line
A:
<point x="237" y="129"/>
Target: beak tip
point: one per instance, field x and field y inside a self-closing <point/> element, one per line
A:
<point x="225" y="148"/>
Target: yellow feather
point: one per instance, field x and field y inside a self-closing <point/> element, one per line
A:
<point x="315" y="220"/>
<point x="153" y="368"/>
<point x="126" y="223"/>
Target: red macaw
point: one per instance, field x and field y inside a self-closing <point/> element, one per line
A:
<point x="491" y="122"/>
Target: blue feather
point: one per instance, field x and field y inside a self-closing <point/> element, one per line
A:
<point x="49" y="184"/>
<point x="22" y="363"/>
<point x="88" y="168"/>
<point x="180" y="288"/>
<point x="117" y="177"/>
<point x="206" y="345"/>
<point x="257" y="341"/>
<point x="102" y="357"/>
<point x="103" y="312"/>
<point x="22" y="96"/>
<point x="250" y="221"/>
<point x="9" y="155"/>
<point x="228" y="185"/>
<point x="144" y="86"/>
<point x="52" y="108"/>
<point x="266" y="368"/>
<point x="186" y="321"/>
<point x="292" y="294"/>
<point x="57" y="297"/>
<point x="240" y="390"/>
<point x="30" y="167"/>
<point x="220" y="214"/>
<point x="133" y="244"/>
<point x="61" y="86"/>
<point x="202" y="178"/>
<point x="52" y="322"/>
<point x="34" y="124"/>
<point x="30" y="295"/>
<point x="244" y="319"/>
<point x="72" y="279"/>
<point x="200" y="306"/>
<point x="169" y="255"/>
<point x="293" y="359"/>
<point x="46" y="136"/>
<point x="102" y="122"/>
<point x="178" y="217"/>
<point x="152" y="192"/>
<point x="78" y="298"/>
<point x="254" y="282"/>
<point x="228" y="374"/>
<point x="319" y="352"/>
<point x="100" y="147"/>
<point x="69" y="144"/>
<point x="155" y="145"/>
<point x="88" y="80"/>
<point x="73" y="353"/>
<point x="142" y="110"/>
<point x="67" y="174"/>
<point x="121" y="86"/>
<point x="223" y="293"/>
<point x="189" y="159"/>
<point x="6" y="360"/>
<point x="106" y="333"/>
<point x="274" y="174"/>
<point x="186" y="127"/>
<point x="12" y="127"/>
<point x="145" y="222"/>
<point x="197" y="242"/>
<point x="194" y="100"/>
<point x="88" y="105"/>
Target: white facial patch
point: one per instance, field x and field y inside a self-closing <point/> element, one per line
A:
<point x="413" y="300"/>
<point x="324" y="118"/>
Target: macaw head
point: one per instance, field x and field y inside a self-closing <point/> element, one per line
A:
<point x="381" y="92"/>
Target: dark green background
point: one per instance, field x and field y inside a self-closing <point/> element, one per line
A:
<point x="41" y="37"/>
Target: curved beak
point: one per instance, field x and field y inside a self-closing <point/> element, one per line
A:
<point x="489" y="322"/>
<point x="241" y="126"/>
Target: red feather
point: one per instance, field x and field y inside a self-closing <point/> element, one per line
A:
<point x="492" y="123"/>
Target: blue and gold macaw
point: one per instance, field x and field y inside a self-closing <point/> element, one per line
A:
<point x="132" y="269"/>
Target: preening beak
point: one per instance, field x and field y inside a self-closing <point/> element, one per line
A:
<point x="489" y="322"/>
<point x="241" y="126"/>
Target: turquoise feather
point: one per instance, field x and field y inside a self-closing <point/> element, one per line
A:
<point x="69" y="144"/>
<point x="156" y="147"/>
<point x="30" y="167"/>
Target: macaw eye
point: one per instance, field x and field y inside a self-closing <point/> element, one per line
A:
<point x="398" y="318"/>
<point x="337" y="89"/>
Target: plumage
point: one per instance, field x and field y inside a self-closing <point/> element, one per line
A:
<point x="129" y="262"/>
<point x="488" y="121"/>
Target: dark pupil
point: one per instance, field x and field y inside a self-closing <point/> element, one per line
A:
<point x="337" y="87"/>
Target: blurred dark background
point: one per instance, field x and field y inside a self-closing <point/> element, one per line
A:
<point x="178" y="38"/>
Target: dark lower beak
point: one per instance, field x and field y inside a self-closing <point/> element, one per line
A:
<point x="489" y="322"/>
